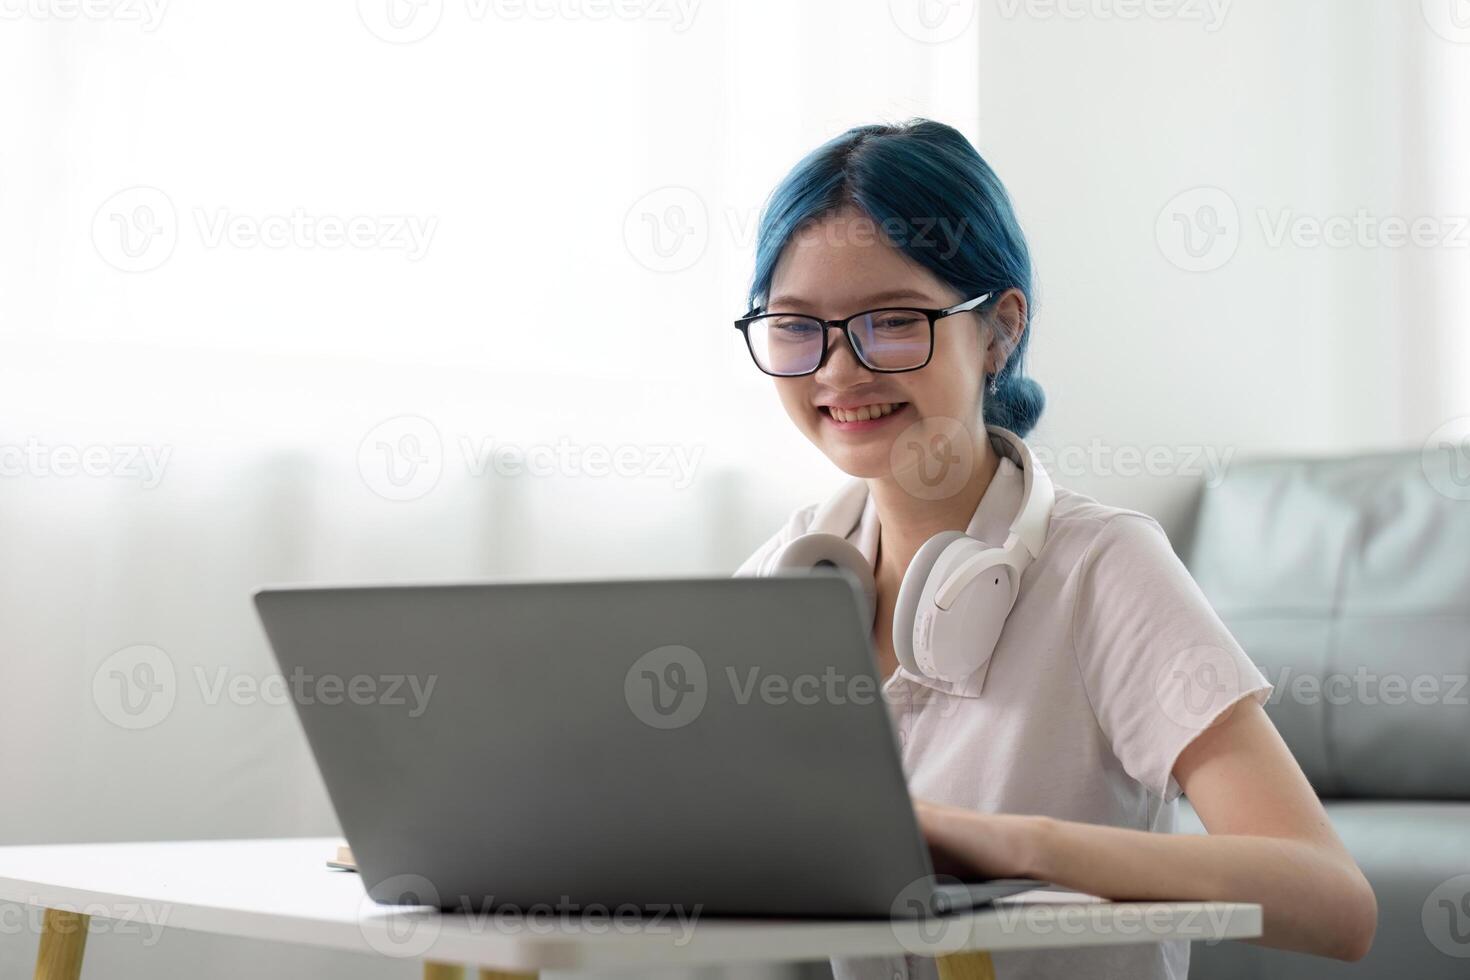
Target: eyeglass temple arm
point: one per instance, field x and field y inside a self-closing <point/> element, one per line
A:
<point x="967" y="305"/>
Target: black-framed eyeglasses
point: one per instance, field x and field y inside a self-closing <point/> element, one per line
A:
<point x="889" y="340"/>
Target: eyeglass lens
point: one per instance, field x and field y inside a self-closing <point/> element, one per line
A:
<point x="885" y="340"/>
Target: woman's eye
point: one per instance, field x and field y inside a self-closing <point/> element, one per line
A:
<point x="794" y="328"/>
<point x="904" y="322"/>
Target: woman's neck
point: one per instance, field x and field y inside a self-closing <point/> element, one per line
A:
<point x="906" y="520"/>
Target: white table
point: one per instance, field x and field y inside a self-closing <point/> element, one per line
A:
<point x="281" y="890"/>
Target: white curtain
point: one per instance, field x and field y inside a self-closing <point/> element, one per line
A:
<point x="393" y="291"/>
<point x="1436" y="165"/>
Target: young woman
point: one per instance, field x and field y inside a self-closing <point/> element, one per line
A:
<point x="891" y="303"/>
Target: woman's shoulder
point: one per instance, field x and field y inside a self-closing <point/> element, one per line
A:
<point x="1158" y="663"/>
<point x="1082" y="527"/>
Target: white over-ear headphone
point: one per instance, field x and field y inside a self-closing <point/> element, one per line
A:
<point x="958" y="589"/>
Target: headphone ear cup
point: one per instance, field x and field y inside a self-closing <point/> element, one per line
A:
<point x="911" y="591"/>
<point x="955" y="643"/>
<point x="821" y="550"/>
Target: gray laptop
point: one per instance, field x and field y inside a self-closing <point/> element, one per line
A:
<point x="711" y="744"/>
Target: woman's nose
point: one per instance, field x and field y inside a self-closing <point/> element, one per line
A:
<point x="842" y="366"/>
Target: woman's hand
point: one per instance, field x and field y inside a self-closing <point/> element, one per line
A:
<point x="968" y="844"/>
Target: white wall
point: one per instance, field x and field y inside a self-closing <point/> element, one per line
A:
<point x="1313" y="108"/>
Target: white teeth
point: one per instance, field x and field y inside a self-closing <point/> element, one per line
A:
<point x="864" y="413"/>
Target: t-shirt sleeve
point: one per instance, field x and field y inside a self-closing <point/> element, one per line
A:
<point x="1158" y="664"/>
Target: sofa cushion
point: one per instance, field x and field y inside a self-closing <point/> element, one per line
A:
<point x="1348" y="582"/>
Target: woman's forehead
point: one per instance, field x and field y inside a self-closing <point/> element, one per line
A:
<point x="821" y="272"/>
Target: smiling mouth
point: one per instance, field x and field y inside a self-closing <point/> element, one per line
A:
<point x="863" y="413"/>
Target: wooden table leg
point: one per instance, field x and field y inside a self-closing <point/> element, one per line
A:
<point x="966" y="966"/>
<point x="450" y="971"/>
<point x="63" y="941"/>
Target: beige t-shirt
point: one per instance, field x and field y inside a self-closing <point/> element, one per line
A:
<point x="1110" y="663"/>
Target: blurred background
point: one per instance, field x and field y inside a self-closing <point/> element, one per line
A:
<point x="442" y="289"/>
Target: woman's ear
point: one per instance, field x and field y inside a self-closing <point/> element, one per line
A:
<point x="1007" y="325"/>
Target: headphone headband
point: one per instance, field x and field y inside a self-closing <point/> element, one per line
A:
<point x="1038" y="496"/>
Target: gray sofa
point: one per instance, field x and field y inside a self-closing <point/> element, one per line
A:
<point x="1348" y="582"/>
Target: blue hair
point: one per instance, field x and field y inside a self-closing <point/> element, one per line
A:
<point x="939" y="203"/>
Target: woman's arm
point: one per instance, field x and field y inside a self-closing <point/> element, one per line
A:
<point x="1270" y="842"/>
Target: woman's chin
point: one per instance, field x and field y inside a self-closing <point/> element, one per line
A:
<point x="866" y="462"/>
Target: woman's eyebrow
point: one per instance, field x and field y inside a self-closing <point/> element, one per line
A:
<point x="873" y="300"/>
